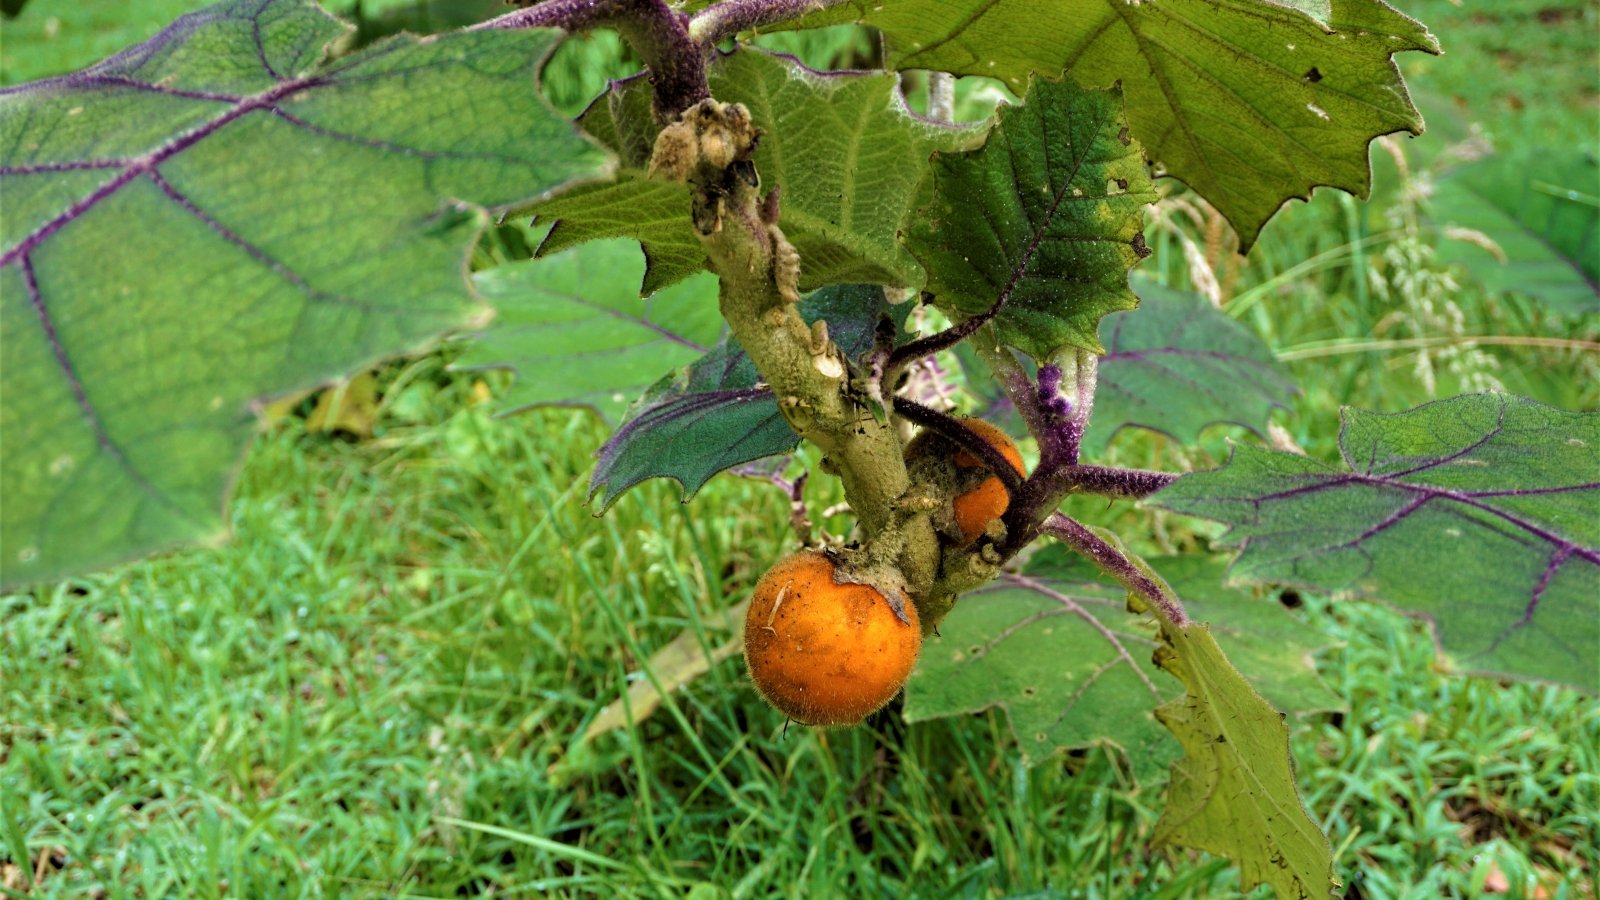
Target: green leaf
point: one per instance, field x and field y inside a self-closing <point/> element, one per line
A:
<point x="1065" y="660"/>
<point x="1178" y="364"/>
<point x="1273" y="648"/>
<point x="1540" y="213"/>
<point x="220" y="216"/>
<point x="51" y="38"/>
<point x="1058" y="650"/>
<point x="653" y="213"/>
<point x="1047" y="217"/>
<point x="716" y="414"/>
<point x="1477" y="513"/>
<point x="1233" y="793"/>
<point x="844" y="148"/>
<point x="1249" y="102"/>
<point x="574" y="329"/>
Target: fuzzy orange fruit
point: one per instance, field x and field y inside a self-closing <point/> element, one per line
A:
<point x="824" y="652"/>
<point x="981" y="504"/>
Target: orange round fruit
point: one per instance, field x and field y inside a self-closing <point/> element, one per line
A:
<point x="981" y="504"/>
<point x="824" y="652"/>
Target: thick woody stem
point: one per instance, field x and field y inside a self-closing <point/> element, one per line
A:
<point x="710" y="147"/>
<point x="728" y="18"/>
<point x="1115" y="563"/>
<point x="653" y="29"/>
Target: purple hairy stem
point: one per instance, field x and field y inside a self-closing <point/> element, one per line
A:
<point x="795" y="490"/>
<point x="1059" y="422"/>
<point x="1115" y="563"/>
<point x="951" y="428"/>
<point x="728" y="18"/>
<point x="1048" y="486"/>
<point x="944" y="340"/>
<point x="1014" y="381"/>
<point x="659" y="34"/>
<point x="1050" y="399"/>
<point x="906" y="354"/>
<point x="571" y="15"/>
<point x="1134" y="484"/>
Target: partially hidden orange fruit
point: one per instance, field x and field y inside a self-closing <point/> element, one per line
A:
<point x="977" y="506"/>
<point x="822" y="651"/>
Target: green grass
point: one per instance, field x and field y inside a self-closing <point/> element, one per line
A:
<point x="377" y="689"/>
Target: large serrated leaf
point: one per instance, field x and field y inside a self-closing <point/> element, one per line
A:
<point x="1233" y="793"/>
<point x="1477" y="512"/>
<point x="1527" y="221"/>
<point x="1047" y="217"/>
<point x="221" y="215"/>
<point x="1058" y="650"/>
<point x="847" y="153"/>
<point x="715" y="413"/>
<point x="1178" y="364"/>
<point x="1249" y="102"/>
<point x="574" y="329"/>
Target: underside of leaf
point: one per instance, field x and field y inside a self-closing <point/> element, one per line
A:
<point x="1476" y="512"/>
<point x="222" y="215"/>
<point x="716" y="413"/>
<point x="1177" y="365"/>
<point x="574" y="329"/>
<point x="1233" y="793"/>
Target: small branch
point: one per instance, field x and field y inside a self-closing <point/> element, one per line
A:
<point x="1134" y="484"/>
<point x="728" y="18"/>
<point x="660" y="36"/>
<point x="1013" y="379"/>
<point x="951" y="428"/>
<point x="1048" y="486"/>
<point x="653" y="29"/>
<point x="568" y="15"/>
<point x="944" y="340"/>
<point x="1059" y="423"/>
<point x="1115" y="563"/>
<point x="794" y="490"/>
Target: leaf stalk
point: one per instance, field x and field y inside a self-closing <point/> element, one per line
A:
<point x="1116" y="564"/>
<point x="723" y="20"/>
